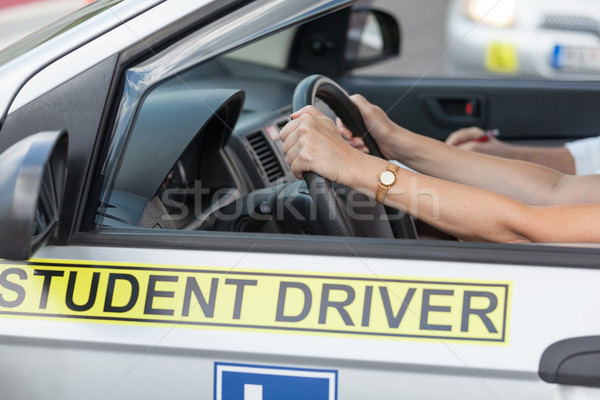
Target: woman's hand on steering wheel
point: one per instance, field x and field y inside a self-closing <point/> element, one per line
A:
<point x="349" y="138"/>
<point x="378" y="124"/>
<point x="313" y="142"/>
<point x="314" y="145"/>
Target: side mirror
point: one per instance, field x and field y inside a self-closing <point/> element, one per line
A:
<point x="32" y="183"/>
<point x="349" y="38"/>
<point x="373" y="36"/>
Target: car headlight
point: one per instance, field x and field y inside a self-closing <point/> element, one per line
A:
<point x="498" y="13"/>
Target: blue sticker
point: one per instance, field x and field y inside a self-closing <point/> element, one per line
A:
<point x="556" y="60"/>
<point x="259" y="382"/>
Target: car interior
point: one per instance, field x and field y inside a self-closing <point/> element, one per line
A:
<point x="204" y="152"/>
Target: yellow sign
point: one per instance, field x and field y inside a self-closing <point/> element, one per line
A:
<point x="502" y="57"/>
<point x="246" y="300"/>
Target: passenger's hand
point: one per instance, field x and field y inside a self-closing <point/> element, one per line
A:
<point x="464" y="135"/>
<point x="466" y="139"/>
<point x="312" y="142"/>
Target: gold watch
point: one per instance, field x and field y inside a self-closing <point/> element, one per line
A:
<point x="386" y="179"/>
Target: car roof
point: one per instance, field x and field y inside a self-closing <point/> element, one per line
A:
<point x="21" y="61"/>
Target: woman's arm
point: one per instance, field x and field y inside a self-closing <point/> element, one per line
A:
<point x="523" y="181"/>
<point x="312" y="143"/>
<point x="556" y="157"/>
<point x="473" y="214"/>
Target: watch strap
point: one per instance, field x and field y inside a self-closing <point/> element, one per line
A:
<point x="382" y="189"/>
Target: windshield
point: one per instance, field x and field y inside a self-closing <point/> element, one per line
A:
<point x="55" y="29"/>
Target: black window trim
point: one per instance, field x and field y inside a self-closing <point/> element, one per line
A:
<point x="542" y="255"/>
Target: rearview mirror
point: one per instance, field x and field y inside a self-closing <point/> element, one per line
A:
<point x="32" y="184"/>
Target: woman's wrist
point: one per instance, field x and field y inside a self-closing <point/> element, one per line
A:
<point x="361" y="172"/>
<point x="401" y="144"/>
<point x="387" y="140"/>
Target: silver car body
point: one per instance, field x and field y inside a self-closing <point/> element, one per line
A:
<point x="106" y="316"/>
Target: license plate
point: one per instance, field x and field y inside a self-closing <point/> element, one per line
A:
<point x="576" y="58"/>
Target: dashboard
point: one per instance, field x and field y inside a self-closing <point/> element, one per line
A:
<point x="205" y="154"/>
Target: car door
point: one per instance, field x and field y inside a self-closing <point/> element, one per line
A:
<point x="121" y="311"/>
<point x="542" y="112"/>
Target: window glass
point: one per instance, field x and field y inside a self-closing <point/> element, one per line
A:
<point x="204" y="150"/>
<point x="204" y="153"/>
<point x="196" y="145"/>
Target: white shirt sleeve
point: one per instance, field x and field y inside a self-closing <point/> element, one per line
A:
<point x="586" y="153"/>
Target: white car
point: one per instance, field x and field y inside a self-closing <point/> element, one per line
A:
<point x="553" y="39"/>
<point x="156" y="245"/>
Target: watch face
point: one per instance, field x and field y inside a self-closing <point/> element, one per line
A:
<point x="387" y="178"/>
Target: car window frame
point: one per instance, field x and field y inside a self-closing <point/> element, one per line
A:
<point x="542" y="255"/>
<point x="197" y="47"/>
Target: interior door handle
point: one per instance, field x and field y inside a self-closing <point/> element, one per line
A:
<point x="455" y="110"/>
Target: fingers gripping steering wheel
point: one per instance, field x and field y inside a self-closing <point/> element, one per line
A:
<point x="330" y="212"/>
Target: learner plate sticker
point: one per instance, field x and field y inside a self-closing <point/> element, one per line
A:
<point x="257" y="382"/>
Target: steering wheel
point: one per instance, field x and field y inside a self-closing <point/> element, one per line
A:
<point x="332" y="214"/>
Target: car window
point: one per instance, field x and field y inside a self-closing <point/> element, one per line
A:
<point x="204" y="152"/>
<point x="55" y="29"/>
<point x="202" y="148"/>
<point x="205" y="144"/>
<point x="196" y="146"/>
<point x="495" y="39"/>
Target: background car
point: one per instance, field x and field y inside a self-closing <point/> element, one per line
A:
<point x="155" y="243"/>
<point x="550" y="39"/>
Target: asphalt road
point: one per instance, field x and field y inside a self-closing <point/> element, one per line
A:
<point x="422" y="38"/>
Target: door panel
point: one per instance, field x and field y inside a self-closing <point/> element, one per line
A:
<point x="539" y="111"/>
<point x="474" y="330"/>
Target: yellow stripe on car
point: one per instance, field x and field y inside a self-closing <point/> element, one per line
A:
<point x="337" y="304"/>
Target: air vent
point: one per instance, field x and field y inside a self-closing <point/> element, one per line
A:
<point x="265" y="156"/>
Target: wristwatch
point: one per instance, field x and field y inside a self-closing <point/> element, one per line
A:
<point x="386" y="180"/>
